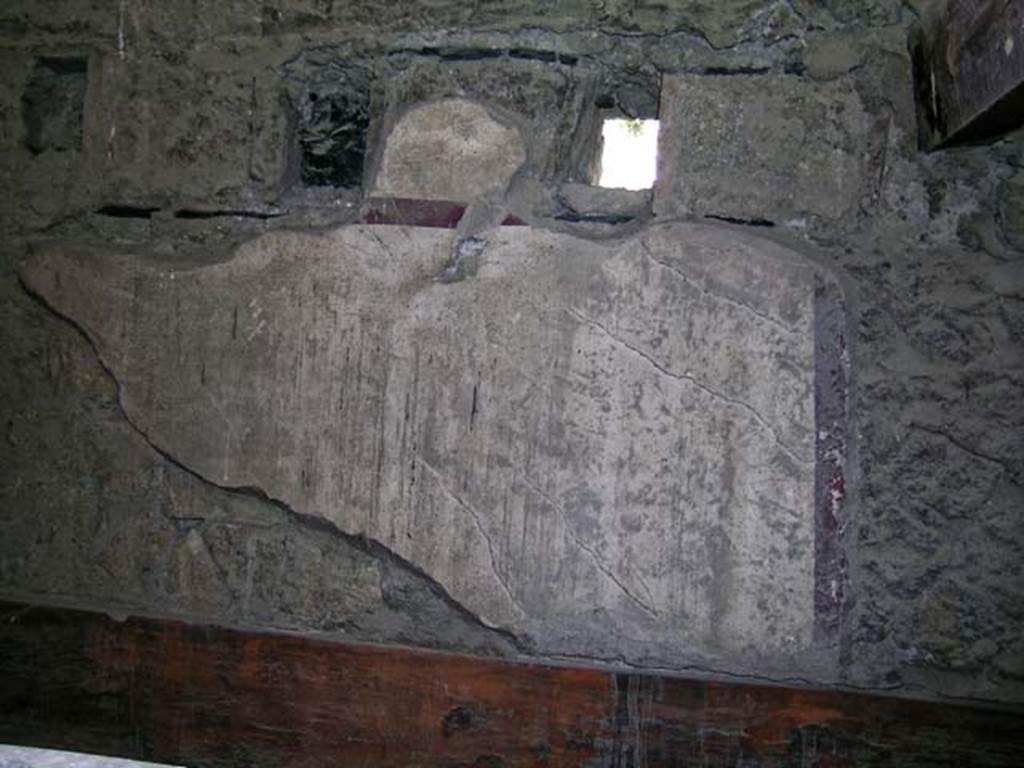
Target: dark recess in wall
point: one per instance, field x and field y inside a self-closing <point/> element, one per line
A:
<point x="332" y="133"/>
<point x="635" y="94"/>
<point x="53" y="102"/>
<point x="127" y="211"/>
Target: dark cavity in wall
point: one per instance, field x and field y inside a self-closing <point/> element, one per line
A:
<point x="634" y="94"/>
<point x="127" y="211"/>
<point x="334" y="116"/>
<point x="53" y="103"/>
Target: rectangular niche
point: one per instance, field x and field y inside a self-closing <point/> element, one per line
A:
<point x="53" y="102"/>
<point x="333" y="120"/>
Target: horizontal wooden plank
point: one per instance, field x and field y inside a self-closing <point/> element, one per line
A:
<point x="969" y="71"/>
<point x="203" y="696"/>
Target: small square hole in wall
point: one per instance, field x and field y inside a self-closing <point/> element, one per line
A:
<point x="52" y="104"/>
<point x="331" y="98"/>
<point x="333" y="139"/>
<point x="629" y="155"/>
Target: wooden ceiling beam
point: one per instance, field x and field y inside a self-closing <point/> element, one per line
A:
<point x="202" y="696"/>
<point x="968" y="59"/>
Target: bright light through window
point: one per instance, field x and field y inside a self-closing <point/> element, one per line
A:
<point x="630" y="156"/>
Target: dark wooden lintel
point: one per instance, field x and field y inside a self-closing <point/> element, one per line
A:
<point x="969" y="71"/>
<point x="202" y="696"/>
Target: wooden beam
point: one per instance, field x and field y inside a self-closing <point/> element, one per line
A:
<point x="202" y="696"/>
<point x="969" y="71"/>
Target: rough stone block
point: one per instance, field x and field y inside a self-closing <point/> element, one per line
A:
<point x="549" y="96"/>
<point x="449" y="150"/>
<point x="771" y="146"/>
<point x="192" y="132"/>
<point x="583" y="202"/>
<point x="606" y="448"/>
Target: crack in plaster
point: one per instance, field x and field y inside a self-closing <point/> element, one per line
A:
<point x="479" y="526"/>
<point x="369" y="546"/>
<point x="705" y="291"/>
<point x="648" y="607"/>
<point x="791" y="453"/>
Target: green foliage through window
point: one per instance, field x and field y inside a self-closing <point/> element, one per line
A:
<point x="635" y="126"/>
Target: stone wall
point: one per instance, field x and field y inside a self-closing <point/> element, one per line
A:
<point x="135" y="134"/>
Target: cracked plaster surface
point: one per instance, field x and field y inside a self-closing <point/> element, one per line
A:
<point x="606" y="449"/>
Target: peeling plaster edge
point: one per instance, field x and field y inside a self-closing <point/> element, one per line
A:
<point x="365" y="544"/>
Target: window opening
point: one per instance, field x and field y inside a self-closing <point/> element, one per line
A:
<point x="629" y="157"/>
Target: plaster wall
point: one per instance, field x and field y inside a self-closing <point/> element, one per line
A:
<point x="793" y="122"/>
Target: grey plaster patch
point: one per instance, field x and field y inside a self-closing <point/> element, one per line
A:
<point x="774" y="147"/>
<point x="606" y="448"/>
<point x="448" y="150"/>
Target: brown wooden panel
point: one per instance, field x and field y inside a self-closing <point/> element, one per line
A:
<point x="203" y="696"/>
<point x="969" y="71"/>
